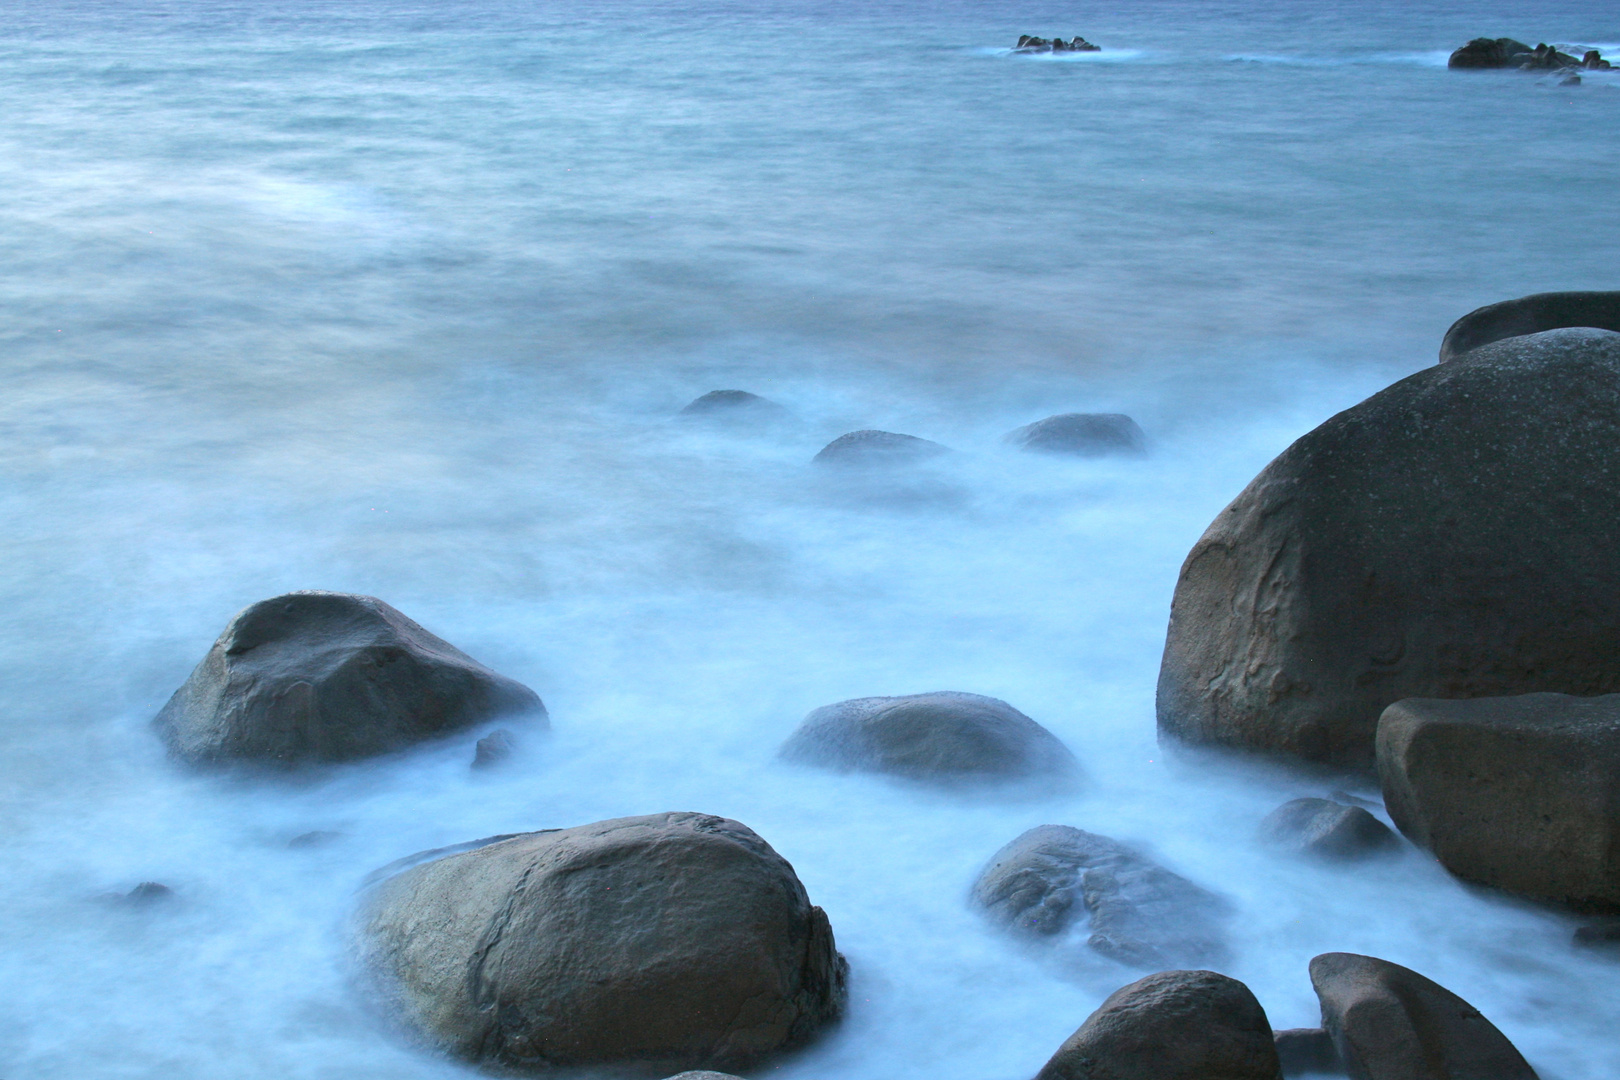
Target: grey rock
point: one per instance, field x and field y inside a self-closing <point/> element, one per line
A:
<point x="1490" y="53"/>
<point x="494" y="749"/>
<point x="1082" y="435"/>
<point x="703" y="1075"/>
<point x="1451" y="536"/>
<point x="1390" y="1023"/>
<point x="1326" y="829"/>
<point x="941" y="737"/>
<point x="324" y="677"/>
<point x="1055" y="879"/>
<point x="1307" y="1052"/>
<point x="734" y="406"/>
<point x="1530" y="315"/>
<point x="648" y="945"/>
<point x="1518" y="793"/>
<point x="871" y="448"/>
<point x="1028" y="44"/>
<point x="1175" y="1025"/>
<point x="148" y="894"/>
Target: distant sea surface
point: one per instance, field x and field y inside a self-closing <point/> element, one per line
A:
<point x="402" y="299"/>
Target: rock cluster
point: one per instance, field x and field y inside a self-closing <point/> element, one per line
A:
<point x="1037" y="44"/>
<point x="1507" y="53"/>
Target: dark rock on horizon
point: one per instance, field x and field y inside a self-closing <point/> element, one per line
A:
<point x="1452" y="536"/>
<point x="1489" y="53"/>
<point x="1326" y="829"/>
<point x="1530" y="315"/>
<point x="941" y="737"/>
<point x="1082" y="434"/>
<point x="646" y="945"/>
<point x="734" y="406"/>
<point x="1390" y="1023"/>
<point x="1307" y="1052"/>
<point x="1027" y="43"/>
<point x="870" y="447"/>
<point x="1517" y="793"/>
<point x="494" y="749"/>
<point x="1055" y="879"/>
<point x="1173" y="1025"/>
<point x="325" y="677"/>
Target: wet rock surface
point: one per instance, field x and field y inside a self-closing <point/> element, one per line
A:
<point x="1029" y="44"/>
<point x="315" y="677"/>
<point x="873" y="448"/>
<point x="1307" y="1052"/>
<point x="941" y="737"/>
<point x="649" y="945"/>
<point x="1326" y="829"/>
<point x="1518" y="793"/>
<point x="1082" y="434"/>
<point x="1054" y="879"/>
<point x="1390" y="1023"/>
<point x="1451" y="536"/>
<point x="1174" y="1025"/>
<point x="494" y="749"/>
<point x="1530" y="315"/>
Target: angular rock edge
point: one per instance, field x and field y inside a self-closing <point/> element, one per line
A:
<point x="1530" y="315"/>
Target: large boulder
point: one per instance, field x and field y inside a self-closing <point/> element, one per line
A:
<point x="1530" y="315"/>
<point x="1519" y="793"/>
<point x="1081" y="434"/>
<point x="1390" y="1023"/>
<point x="1326" y="829"/>
<point x="1451" y="536"/>
<point x="648" y="945"/>
<point x="1055" y="880"/>
<point x="1489" y="53"/>
<point x="324" y="677"/>
<point x="941" y="737"/>
<point x="879" y="449"/>
<point x="1175" y="1025"/>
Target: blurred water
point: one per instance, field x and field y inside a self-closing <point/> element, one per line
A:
<point x="401" y="299"/>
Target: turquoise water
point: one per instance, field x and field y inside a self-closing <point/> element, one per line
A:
<point x="401" y="300"/>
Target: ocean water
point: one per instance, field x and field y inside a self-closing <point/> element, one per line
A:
<point x="402" y="299"/>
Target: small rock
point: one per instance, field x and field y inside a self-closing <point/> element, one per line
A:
<point x="1026" y="43"/>
<point x="1603" y="935"/>
<point x="1328" y="829"/>
<point x="1390" y="1023"/>
<point x="1082" y="434"/>
<point x="1570" y="80"/>
<point x="878" y="448"/>
<point x="1175" y="1025"/>
<point x="146" y="894"/>
<point x="1307" y="1052"/>
<point x="1047" y="880"/>
<point x="316" y="838"/>
<point x="494" y="748"/>
<point x="734" y="406"/>
<point x="1594" y="61"/>
<point x="942" y="737"/>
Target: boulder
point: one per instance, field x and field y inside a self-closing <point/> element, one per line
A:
<point x="1081" y="434"/>
<point x="1307" y="1052"/>
<point x="703" y="1074"/>
<point x="1451" y="536"/>
<point x="1054" y="879"/>
<point x="494" y="749"/>
<point x="1175" y="1025"/>
<point x="1390" y="1023"/>
<point x="1518" y="793"/>
<point x="1594" y="61"/>
<point x="1530" y="315"/>
<point x="1030" y="44"/>
<point x="878" y="448"/>
<point x="734" y="406"/>
<point x="325" y="677"/>
<point x="1489" y="53"/>
<point x="942" y="737"/>
<point x="1327" y="829"/>
<point x="646" y="945"/>
<point x="1545" y="57"/>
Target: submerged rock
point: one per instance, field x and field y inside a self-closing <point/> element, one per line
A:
<point x="734" y="406"/>
<point x="1326" y="829"/>
<point x="1307" y="1052"/>
<point x="325" y="677"/>
<point x="1530" y="315"/>
<point x="941" y="737"/>
<point x="145" y="895"/>
<point x="1518" y="793"/>
<point x="1175" y="1025"/>
<point x="1037" y="44"/>
<point x="494" y="749"/>
<point x="1451" y="536"/>
<point x="1053" y="877"/>
<point x="1082" y="434"/>
<point x="646" y="945"/>
<point x="1390" y="1023"/>
<point x="878" y="448"/>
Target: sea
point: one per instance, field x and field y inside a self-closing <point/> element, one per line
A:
<point x="405" y="298"/>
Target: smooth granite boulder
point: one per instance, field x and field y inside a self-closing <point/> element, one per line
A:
<point x="1530" y="315"/>
<point x="324" y="677"/>
<point x="1307" y="1052"/>
<point x="1451" y="536"/>
<point x="1518" y="793"/>
<point x="1175" y="1025"/>
<point x="734" y="406"/>
<point x="878" y="449"/>
<point x="1054" y="880"/>
<point x="1390" y="1023"/>
<point x="645" y="945"/>
<point x="1326" y="829"/>
<point x="942" y="737"/>
<point x="1082" y="435"/>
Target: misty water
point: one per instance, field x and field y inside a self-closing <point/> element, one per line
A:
<point x="402" y="300"/>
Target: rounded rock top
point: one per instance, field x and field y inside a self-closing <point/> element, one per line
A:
<point x="871" y="447"/>
<point x="325" y="677"/>
<point x="1082" y="434"/>
<point x="733" y="405"/>
<point x="648" y="945"/>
